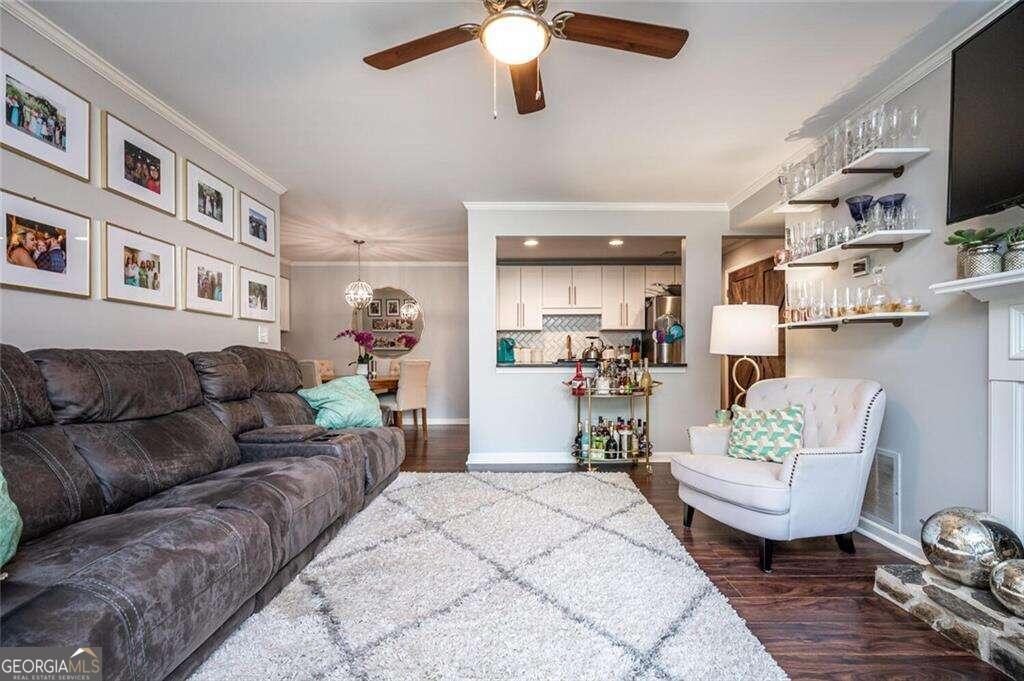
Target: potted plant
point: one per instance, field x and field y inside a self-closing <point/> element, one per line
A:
<point x="365" y="341"/>
<point x="977" y="251"/>
<point x="1014" y="258"/>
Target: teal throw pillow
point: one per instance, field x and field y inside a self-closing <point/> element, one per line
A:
<point x="345" y="402"/>
<point x="10" y="524"/>
<point x="766" y="434"/>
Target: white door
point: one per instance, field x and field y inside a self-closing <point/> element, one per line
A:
<point x="612" y="305"/>
<point x="557" y="286"/>
<point x="659" y="274"/>
<point x="508" y="298"/>
<point x="586" y="286"/>
<point x="633" y="287"/>
<point x="530" y="298"/>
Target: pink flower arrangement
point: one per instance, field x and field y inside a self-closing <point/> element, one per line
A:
<point x="364" y="339"/>
<point x="408" y="340"/>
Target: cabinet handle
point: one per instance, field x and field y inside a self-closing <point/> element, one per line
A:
<point x="625" y="322"/>
<point x="575" y="298"/>
<point x="522" y="315"/>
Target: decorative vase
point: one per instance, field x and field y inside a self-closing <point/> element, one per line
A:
<point x="1014" y="257"/>
<point x="1007" y="585"/>
<point x="362" y="369"/>
<point x="982" y="260"/>
<point x="961" y="262"/>
<point x="965" y="545"/>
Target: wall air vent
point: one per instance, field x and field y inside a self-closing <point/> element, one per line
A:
<point x="882" y="498"/>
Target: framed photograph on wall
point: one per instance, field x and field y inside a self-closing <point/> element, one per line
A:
<point x="257" y="224"/>
<point x="209" y="201"/>
<point x="209" y="284"/>
<point x="46" y="248"/>
<point x="256" y="296"/>
<point x="375" y="308"/>
<point x="137" y="268"/>
<point x="138" y="167"/>
<point x="392" y="307"/>
<point x="45" y="121"/>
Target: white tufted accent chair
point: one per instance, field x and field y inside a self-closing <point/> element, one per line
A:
<point x="814" y="492"/>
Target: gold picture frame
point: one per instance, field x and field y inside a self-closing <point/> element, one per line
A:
<point x="243" y="305"/>
<point x="185" y="282"/>
<point x="188" y="200"/>
<point x="104" y="266"/>
<point x="105" y="117"/>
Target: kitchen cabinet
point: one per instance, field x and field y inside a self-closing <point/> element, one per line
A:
<point x="662" y="274"/>
<point x="569" y="289"/>
<point x="622" y="297"/>
<point x="519" y="299"/>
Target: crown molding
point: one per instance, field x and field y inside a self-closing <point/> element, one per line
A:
<point x="379" y="263"/>
<point x="595" y="206"/>
<point x="74" y="47"/>
<point x="916" y="74"/>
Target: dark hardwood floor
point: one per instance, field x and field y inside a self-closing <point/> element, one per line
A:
<point x="816" y="613"/>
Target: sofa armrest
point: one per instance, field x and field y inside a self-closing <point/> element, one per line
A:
<point x="341" y="446"/>
<point x="709" y="439"/>
<point x="827" y="490"/>
<point x="281" y="434"/>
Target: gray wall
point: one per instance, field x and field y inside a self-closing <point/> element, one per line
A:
<point x="33" y="320"/>
<point x="319" y="311"/>
<point x="934" y="371"/>
<point x="542" y="413"/>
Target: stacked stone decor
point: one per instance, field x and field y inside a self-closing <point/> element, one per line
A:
<point x="971" y="618"/>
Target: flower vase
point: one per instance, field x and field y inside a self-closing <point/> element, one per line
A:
<point x="362" y="369"/>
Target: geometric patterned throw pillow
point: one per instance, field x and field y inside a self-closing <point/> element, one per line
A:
<point x="766" y="434"/>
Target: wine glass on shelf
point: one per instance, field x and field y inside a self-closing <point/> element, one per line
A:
<point x="914" y="124"/>
<point x="895" y="125"/>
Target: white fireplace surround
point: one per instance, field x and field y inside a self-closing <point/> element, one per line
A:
<point x="1006" y="410"/>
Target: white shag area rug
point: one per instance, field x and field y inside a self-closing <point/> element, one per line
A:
<point x="499" y="576"/>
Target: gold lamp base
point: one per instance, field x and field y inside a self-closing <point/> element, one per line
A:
<point x="735" y="381"/>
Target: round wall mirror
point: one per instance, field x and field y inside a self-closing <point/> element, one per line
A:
<point x="394" y="334"/>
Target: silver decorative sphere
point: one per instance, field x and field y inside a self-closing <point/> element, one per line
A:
<point x="1008" y="585"/>
<point x="964" y="544"/>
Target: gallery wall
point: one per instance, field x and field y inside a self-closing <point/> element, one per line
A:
<point x="319" y="311"/>
<point x="32" y="319"/>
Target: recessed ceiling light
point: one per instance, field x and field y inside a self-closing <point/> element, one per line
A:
<point x="530" y="242"/>
<point x="615" y="242"/>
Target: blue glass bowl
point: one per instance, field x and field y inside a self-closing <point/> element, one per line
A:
<point x="891" y="201"/>
<point x="859" y="206"/>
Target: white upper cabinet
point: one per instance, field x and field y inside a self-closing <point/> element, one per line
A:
<point x="660" y="274"/>
<point x="571" y="289"/>
<point x="519" y="298"/>
<point x="622" y="297"/>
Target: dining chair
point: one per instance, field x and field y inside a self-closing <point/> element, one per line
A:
<point x="316" y="372"/>
<point x="411" y="393"/>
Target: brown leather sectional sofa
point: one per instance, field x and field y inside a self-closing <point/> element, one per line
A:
<point x="166" y="498"/>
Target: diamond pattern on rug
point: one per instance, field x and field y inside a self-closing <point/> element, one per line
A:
<point x="501" y="632"/>
<point x="488" y="576"/>
<point x="507" y="531"/>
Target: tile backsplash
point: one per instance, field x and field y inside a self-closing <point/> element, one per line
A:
<point x="557" y="327"/>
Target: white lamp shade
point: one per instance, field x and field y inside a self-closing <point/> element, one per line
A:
<point x="745" y="330"/>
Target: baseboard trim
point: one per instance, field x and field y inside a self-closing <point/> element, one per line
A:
<point x="536" y="460"/>
<point x="431" y="421"/>
<point x="900" y="543"/>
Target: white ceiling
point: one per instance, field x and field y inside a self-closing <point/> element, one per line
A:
<point x="390" y="156"/>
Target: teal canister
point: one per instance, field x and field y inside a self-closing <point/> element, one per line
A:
<point x="506" y="351"/>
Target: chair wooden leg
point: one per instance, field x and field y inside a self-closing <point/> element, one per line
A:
<point x="687" y="515"/>
<point x="766" y="548"/>
<point x="398" y="418"/>
<point x="416" y="419"/>
<point x="424" y="423"/>
<point x="845" y="542"/>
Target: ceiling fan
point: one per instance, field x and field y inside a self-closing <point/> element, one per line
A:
<point x="515" y="32"/>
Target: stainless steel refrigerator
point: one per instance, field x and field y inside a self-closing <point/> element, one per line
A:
<point x="664" y="330"/>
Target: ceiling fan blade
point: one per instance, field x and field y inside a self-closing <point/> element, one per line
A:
<point x="526" y="83"/>
<point x="421" y="47"/>
<point x="621" y="34"/>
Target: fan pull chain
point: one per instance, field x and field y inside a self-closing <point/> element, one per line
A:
<point x="494" y="88"/>
<point x="537" y="95"/>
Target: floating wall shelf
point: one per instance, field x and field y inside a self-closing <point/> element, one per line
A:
<point x="999" y="286"/>
<point x="854" y="248"/>
<point x="850" y="179"/>
<point x="833" y="323"/>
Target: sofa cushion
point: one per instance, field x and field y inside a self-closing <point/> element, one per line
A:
<point x="283" y="409"/>
<point x="281" y="434"/>
<point x="136" y="459"/>
<point x="116" y="385"/>
<point x="384" y="450"/>
<point x="272" y="371"/>
<point x="49" y="481"/>
<point x="296" y="497"/>
<point x="23" y="401"/>
<point x="222" y="375"/>
<point x="148" y="587"/>
<point x="345" y="402"/>
<point x="750" y="484"/>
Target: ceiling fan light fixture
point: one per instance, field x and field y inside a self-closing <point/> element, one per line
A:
<point x="515" y="36"/>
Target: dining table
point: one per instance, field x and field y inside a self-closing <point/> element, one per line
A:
<point x="381" y="385"/>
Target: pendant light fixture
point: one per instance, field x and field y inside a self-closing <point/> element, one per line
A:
<point x="358" y="294"/>
<point x="410" y="310"/>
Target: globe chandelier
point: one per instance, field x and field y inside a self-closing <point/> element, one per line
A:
<point x="358" y="294"/>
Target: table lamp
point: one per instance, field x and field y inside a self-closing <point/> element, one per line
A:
<point x="745" y="330"/>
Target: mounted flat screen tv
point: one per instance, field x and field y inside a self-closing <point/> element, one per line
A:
<point x="986" y="129"/>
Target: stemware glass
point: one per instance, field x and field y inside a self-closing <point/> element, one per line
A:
<point x="914" y="124"/>
<point x="895" y="124"/>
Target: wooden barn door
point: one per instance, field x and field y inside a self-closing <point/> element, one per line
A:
<point x="759" y="283"/>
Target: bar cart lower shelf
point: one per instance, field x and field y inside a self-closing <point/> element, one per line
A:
<point x="592" y="458"/>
